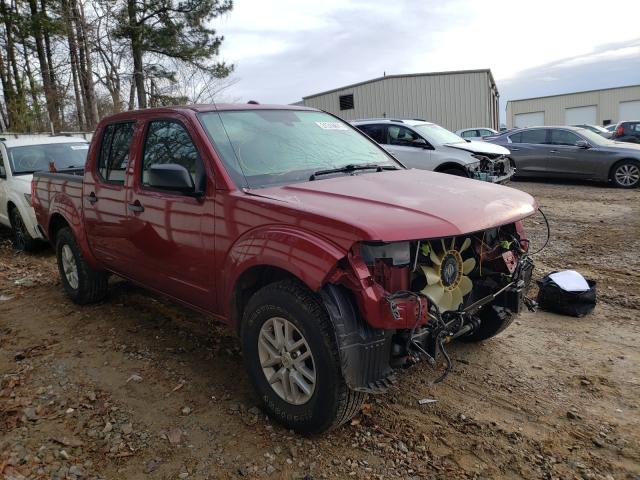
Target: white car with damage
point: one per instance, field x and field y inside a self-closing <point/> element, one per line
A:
<point x="428" y="146"/>
<point x="22" y="155"/>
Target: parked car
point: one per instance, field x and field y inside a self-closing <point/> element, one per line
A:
<point x="627" y="132"/>
<point x="572" y="152"/>
<point x="611" y="127"/>
<point x="427" y="146"/>
<point x="21" y="156"/>
<point x="596" y="129"/>
<point x="329" y="259"/>
<point x="476" y="133"/>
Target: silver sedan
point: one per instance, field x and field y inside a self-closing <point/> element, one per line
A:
<point x="572" y="152"/>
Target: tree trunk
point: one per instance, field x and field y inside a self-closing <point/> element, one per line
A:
<point x="132" y="95"/>
<point x="55" y="90"/>
<point x="7" y="90"/>
<point x="73" y="56"/>
<point x="33" y="88"/>
<point x="49" y="93"/>
<point x="136" y="51"/>
<point x="91" y="93"/>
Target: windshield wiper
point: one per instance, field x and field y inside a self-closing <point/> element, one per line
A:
<point x="353" y="168"/>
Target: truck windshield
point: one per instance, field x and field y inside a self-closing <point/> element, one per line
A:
<point x="261" y="148"/>
<point x="36" y="158"/>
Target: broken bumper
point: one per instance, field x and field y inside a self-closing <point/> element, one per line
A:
<point x="493" y="170"/>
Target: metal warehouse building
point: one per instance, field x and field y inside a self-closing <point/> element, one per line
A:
<point x="594" y="107"/>
<point x="455" y="100"/>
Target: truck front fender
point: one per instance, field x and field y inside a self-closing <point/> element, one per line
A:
<point x="303" y="254"/>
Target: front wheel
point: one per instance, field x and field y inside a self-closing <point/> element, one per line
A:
<point x="292" y="359"/>
<point x="82" y="283"/>
<point x="626" y="174"/>
<point x="22" y="239"/>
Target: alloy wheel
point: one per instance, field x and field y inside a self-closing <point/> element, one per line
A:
<point x="19" y="231"/>
<point x="287" y="361"/>
<point x="69" y="266"/>
<point x="627" y="175"/>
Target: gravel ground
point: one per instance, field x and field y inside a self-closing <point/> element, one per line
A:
<point x="139" y="388"/>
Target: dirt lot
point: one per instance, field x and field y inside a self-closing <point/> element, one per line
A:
<point x="137" y="387"/>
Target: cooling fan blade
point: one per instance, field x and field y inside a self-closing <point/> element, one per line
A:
<point x="447" y="280"/>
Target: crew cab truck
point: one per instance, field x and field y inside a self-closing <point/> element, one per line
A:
<point x="333" y="262"/>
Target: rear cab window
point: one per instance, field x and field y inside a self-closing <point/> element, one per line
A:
<point x="114" y="152"/>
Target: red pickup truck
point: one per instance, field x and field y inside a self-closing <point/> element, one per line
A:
<point x="332" y="262"/>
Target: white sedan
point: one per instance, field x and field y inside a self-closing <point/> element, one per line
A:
<point x="476" y="133"/>
<point x="21" y="157"/>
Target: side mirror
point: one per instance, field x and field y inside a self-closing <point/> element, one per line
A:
<point x="170" y="176"/>
<point x="419" y="142"/>
<point x="582" y="144"/>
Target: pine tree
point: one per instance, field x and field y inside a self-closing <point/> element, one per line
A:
<point x="168" y="29"/>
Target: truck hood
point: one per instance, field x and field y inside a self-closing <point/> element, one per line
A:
<point x="402" y="205"/>
<point x="480" y="147"/>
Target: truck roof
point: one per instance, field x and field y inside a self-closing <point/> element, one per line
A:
<point x="211" y="107"/>
<point x="12" y="140"/>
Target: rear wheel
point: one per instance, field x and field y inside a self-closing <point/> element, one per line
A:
<point x="626" y="174"/>
<point x="292" y="359"/>
<point x="22" y="239"/>
<point x="82" y="283"/>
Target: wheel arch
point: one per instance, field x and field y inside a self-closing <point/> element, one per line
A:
<point x="616" y="164"/>
<point x="267" y="255"/>
<point x="449" y="165"/>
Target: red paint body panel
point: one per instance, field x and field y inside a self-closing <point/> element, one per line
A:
<point x="195" y="249"/>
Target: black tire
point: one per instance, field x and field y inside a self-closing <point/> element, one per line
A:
<point x="491" y="324"/>
<point x="91" y="284"/>
<point x="332" y="403"/>
<point x="22" y="239"/>
<point x="455" y="171"/>
<point x="632" y="170"/>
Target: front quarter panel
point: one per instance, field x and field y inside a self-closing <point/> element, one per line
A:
<point x="303" y="254"/>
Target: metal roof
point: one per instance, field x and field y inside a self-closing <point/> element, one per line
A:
<point x="406" y="75"/>
<point x="572" y="93"/>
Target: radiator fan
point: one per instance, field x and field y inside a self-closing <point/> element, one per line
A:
<point x="447" y="281"/>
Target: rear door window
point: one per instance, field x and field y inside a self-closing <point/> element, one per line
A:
<point x="377" y="132"/>
<point x="114" y="152"/>
<point x="537" y="136"/>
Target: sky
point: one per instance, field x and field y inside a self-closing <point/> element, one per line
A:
<point x="286" y="49"/>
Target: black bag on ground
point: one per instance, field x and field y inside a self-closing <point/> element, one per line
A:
<point x="554" y="299"/>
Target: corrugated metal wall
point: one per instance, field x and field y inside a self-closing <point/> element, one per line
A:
<point x="607" y="103"/>
<point x="453" y="100"/>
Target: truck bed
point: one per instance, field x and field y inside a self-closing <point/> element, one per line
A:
<point x="61" y="188"/>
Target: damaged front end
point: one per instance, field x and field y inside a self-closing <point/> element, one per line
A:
<point x="493" y="168"/>
<point x="394" y="304"/>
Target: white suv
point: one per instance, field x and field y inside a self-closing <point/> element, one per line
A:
<point x="21" y="156"/>
<point x="427" y="146"/>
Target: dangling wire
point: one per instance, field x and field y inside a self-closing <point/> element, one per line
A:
<point x="548" y="233"/>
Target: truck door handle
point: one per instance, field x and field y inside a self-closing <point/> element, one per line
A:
<point x="553" y="151"/>
<point x="514" y="149"/>
<point x="135" y="206"/>
<point x="92" y="198"/>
